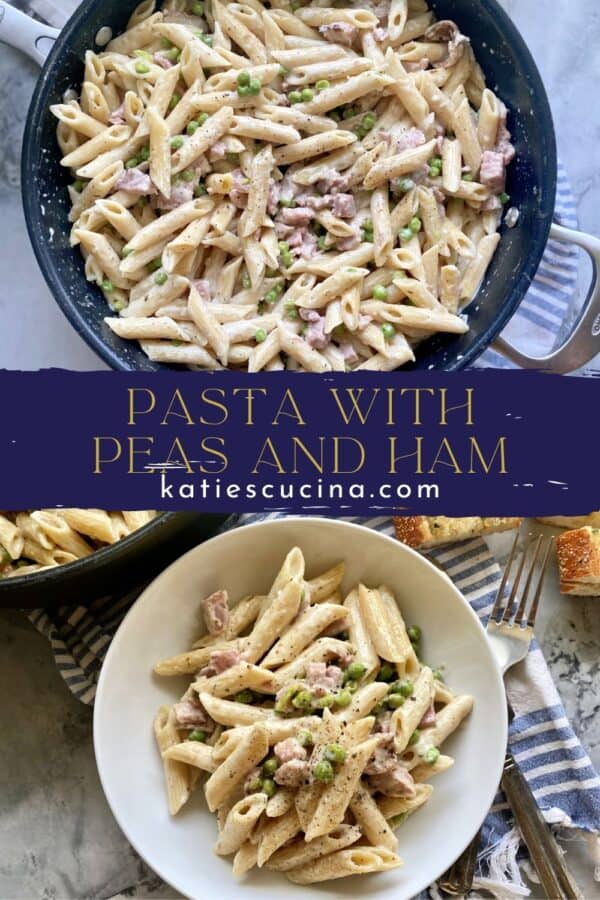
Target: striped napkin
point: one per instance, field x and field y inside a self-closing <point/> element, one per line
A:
<point x="544" y="745"/>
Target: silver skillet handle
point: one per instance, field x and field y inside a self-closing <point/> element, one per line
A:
<point x="26" y="34"/>
<point x="584" y="341"/>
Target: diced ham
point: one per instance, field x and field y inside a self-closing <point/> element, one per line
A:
<point x="201" y="166"/>
<point x="219" y="661"/>
<point x="296" y="216"/>
<point x="503" y="138"/>
<point x="345" y="657"/>
<point x="117" y="116"/>
<point x="348" y="352"/>
<point x="428" y="717"/>
<point x="322" y="678"/>
<point x="292" y="774"/>
<point x="491" y="204"/>
<point x="379" y="34"/>
<point x="302" y="243"/>
<point x="283" y="231"/>
<point x="180" y="194"/>
<point x="215" y="610"/>
<point x="339" y="33"/>
<point x="343" y="206"/>
<point x="273" y="197"/>
<point x="163" y="61"/>
<point x="309" y="315"/>
<point x="240" y="190"/>
<point x="396" y="782"/>
<point x="315" y="202"/>
<point x="218" y="150"/>
<point x="363" y="321"/>
<point x="349" y="243"/>
<point x="289" y="749"/>
<point x="136" y="182"/>
<point x="315" y="334"/>
<point x="202" y="285"/>
<point x="492" y="171"/>
<point x="333" y="183"/>
<point x="412" y="138"/>
<point x="191" y="714"/>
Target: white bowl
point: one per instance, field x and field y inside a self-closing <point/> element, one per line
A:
<point x="163" y="622"/>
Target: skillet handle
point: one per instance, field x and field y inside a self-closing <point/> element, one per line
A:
<point x="32" y="37"/>
<point x="584" y="341"/>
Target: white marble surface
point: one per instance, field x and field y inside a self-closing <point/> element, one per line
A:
<point x="57" y="835"/>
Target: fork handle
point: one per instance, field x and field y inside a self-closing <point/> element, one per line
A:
<point x="557" y="881"/>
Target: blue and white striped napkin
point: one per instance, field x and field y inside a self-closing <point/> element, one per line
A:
<point x="550" y="755"/>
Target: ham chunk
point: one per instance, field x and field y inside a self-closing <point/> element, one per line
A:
<point x="322" y="678"/>
<point x="343" y="205"/>
<point x="136" y="182"/>
<point x="412" y="138"/>
<point x="289" y="749"/>
<point x="117" y="116"/>
<point x="395" y="782"/>
<point x="339" y="33"/>
<point x="273" y="198"/>
<point x="349" y="353"/>
<point x="292" y="774"/>
<point x="163" y="61"/>
<point x="492" y="171"/>
<point x="202" y="285"/>
<point x="315" y="334"/>
<point x="428" y="718"/>
<point x="333" y="183"/>
<point x="296" y="216"/>
<point x="180" y="194"/>
<point x="215" y="610"/>
<point x="221" y="660"/>
<point x="191" y="714"/>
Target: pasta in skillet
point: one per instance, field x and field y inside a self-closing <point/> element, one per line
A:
<point x="44" y="538"/>
<point x="315" y="722"/>
<point x="268" y="186"/>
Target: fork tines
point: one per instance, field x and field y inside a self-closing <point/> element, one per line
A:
<point x="526" y="558"/>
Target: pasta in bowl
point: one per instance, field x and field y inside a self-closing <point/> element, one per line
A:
<point x="334" y="730"/>
<point x="261" y="188"/>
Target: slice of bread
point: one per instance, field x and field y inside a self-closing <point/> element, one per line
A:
<point x="578" y="555"/>
<point x="592" y="519"/>
<point x="422" y="532"/>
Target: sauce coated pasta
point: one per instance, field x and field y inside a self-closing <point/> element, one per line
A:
<point x="316" y="723"/>
<point x="44" y="538"/>
<point x="268" y="186"/>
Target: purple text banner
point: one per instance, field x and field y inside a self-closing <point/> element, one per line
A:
<point x="483" y="443"/>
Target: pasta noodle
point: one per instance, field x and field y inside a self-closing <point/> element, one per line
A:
<point x="316" y="747"/>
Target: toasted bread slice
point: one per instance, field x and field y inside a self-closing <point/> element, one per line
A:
<point x="592" y="519"/>
<point x="579" y="562"/>
<point x="422" y="532"/>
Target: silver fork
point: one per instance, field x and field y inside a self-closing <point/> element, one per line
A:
<point x="510" y="632"/>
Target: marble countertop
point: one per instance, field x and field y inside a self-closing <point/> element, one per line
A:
<point x="58" y="836"/>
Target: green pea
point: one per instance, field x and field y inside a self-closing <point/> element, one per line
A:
<point x="177" y="142"/>
<point x="269" y="787"/>
<point x="296" y="4"/>
<point x="431" y="756"/>
<point x="291" y="311"/>
<point x="295" y="97"/>
<point x="406" y="688"/>
<point x="388" y="330"/>
<point x="434" y="172"/>
<point x="321" y="242"/>
<point x="243" y="78"/>
<point x="142" y="54"/>
<point x="368" y="224"/>
<point x="343" y="698"/>
<point x="245" y="696"/>
<point x="414" y="634"/>
<point x="192" y="127"/>
<point x="78" y="186"/>
<point x="161" y="278"/>
<point x="207" y="39"/>
<point x="334" y="114"/>
<point x="302" y="700"/>
<point x="307" y="95"/>
<point x="467" y="176"/>
<point x="176" y="343"/>
<point x="323" y="771"/>
<point x="406" y="234"/>
<point x="380" y="292"/>
<point x="368" y="122"/>
<point x="126" y="251"/>
<point x="200" y="190"/>
<point x="270" y="296"/>
<point x="335" y="753"/>
<point x="504" y="197"/>
<point x="395" y="821"/>
<point x="173" y="54"/>
<point x="270" y="766"/>
<point x="283" y="71"/>
<point x="119" y="305"/>
<point x="201" y="118"/>
<point x="107" y="286"/>
<point x="366" y="236"/>
<point x="355" y="671"/>
<point x="324" y="702"/>
<point x="165" y="43"/>
<point x="142" y="68"/>
<point x="281" y="705"/>
<point x="155" y="264"/>
<point x="198" y="9"/>
<point x="386" y="673"/>
<point x="174" y="101"/>
<point x="415" y="224"/>
<point x="394" y="701"/>
<point x="287" y="203"/>
<point x="232" y="157"/>
<point x="322" y="84"/>
<point x="405" y="185"/>
<point x="305" y="738"/>
<point x="255" y="86"/>
<point x="188" y="175"/>
<point x="254" y="786"/>
<point x="260" y="336"/>
<point x="246" y="283"/>
<point x="414" y="738"/>
<point x="197" y="735"/>
<point x="438" y="675"/>
<point x="131" y="163"/>
<point x="349" y="112"/>
<point x="283" y="247"/>
<point x="286" y="259"/>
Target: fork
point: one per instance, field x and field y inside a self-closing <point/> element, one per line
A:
<point x="510" y="632"/>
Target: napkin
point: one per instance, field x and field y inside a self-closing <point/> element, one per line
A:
<point x="545" y="747"/>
